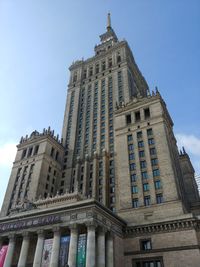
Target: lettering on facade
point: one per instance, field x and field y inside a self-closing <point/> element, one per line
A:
<point x="21" y="224"/>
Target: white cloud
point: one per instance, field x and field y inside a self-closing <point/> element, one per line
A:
<point x="190" y="142"/>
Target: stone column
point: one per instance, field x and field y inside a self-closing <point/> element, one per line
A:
<point x="73" y="246"/>
<point x="55" y="248"/>
<point x="10" y="251"/>
<point x="91" y="247"/>
<point x="109" y="251"/>
<point x="39" y="249"/>
<point x="101" y="248"/>
<point x="24" y="250"/>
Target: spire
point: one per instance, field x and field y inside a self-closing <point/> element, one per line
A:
<point x="108" y="22"/>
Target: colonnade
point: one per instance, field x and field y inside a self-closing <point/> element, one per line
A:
<point x="99" y="249"/>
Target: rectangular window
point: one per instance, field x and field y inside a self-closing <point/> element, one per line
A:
<point x="36" y="150"/>
<point x="97" y="68"/>
<point x="151" y="141"/>
<point x="137" y="116"/>
<point x="139" y="134"/>
<point x="103" y="65"/>
<point x="145" y="245"/>
<point x="154" y="162"/>
<point x="147" y="200"/>
<point x="128" y="119"/>
<point x="135" y="203"/>
<point x="130" y="147"/>
<point x="30" y="151"/>
<point x="146" y="113"/>
<point x="24" y="153"/>
<point x="143" y="164"/>
<point x="133" y="177"/>
<point x="149" y="132"/>
<point x="156" y="173"/>
<point x="141" y="144"/>
<point x="131" y="156"/>
<point x="134" y="189"/>
<point x="144" y="175"/>
<point x="152" y="151"/>
<point x="129" y="137"/>
<point x="132" y="166"/>
<point x="157" y="184"/>
<point x="145" y="187"/>
<point x="141" y="154"/>
<point x="159" y="198"/>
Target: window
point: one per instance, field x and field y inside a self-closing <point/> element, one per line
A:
<point x="132" y="166"/>
<point x="145" y="244"/>
<point x="112" y="189"/>
<point x="100" y="173"/>
<point x="103" y="65"/>
<point x="91" y="71"/>
<point x="97" y="68"/>
<point x="159" y="198"/>
<point x="36" y="150"/>
<point x="151" y="141"/>
<point x="147" y="200"/>
<point x="24" y="153"/>
<point x="143" y="164"/>
<point x="135" y="203"/>
<point x="112" y="200"/>
<point x="129" y="137"/>
<point x="128" y="119"/>
<point x="139" y="134"/>
<point x="62" y="183"/>
<point x="152" y="151"/>
<point x="156" y="172"/>
<point x="146" y="113"/>
<point x="110" y="62"/>
<point x="145" y="187"/>
<point x="131" y="156"/>
<point x="141" y="154"/>
<point x="30" y="151"/>
<point x="84" y="73"/>
<point x="137" y="116"/>
<point x="134" y="189"/>
<point x="154" y="162"/>
<point x="153" y="262"/>
<point x="133" y="177"/>
<point x="144" y="175"/>
<point x="118" y="57"/>
<point x="130" y="147"/>
<point x="141" y="144"/>
<point x="149" y="131"/>
<point x="157" y="184"/>
<point x="52" y="152"/>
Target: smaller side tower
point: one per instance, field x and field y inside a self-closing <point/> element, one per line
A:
<point x="36" y="171"/>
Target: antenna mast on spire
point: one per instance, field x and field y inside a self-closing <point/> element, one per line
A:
<point x="108" y="21"/>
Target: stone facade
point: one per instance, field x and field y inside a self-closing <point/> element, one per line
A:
<point x="114" y="189"/>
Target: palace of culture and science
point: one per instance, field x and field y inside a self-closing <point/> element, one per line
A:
<point x="113" y="191"/>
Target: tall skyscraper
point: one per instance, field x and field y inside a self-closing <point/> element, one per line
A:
<point x="114" y="190"/>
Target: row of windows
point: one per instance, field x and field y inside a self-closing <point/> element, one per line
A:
<point x="100" y="66"/>
<point x="147" y="200"/>
<point x="31" y="151"/>
<point x="137" y="116"/>
<point x="146" y="187"/>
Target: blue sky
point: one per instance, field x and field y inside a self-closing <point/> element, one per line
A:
<point x="40" y="39"/>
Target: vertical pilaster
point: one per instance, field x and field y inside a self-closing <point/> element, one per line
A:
<point x="10" y="251"/>
<point x="105" y="177"/>
<point x="109" y="251"/>
<point x="85" y="176"/>
<point x="101" y="249"/>
<point x="94" y="183"/>
<point x="91" y="246"/>
<point x="76" y="180"/>
<point x="73" y="246"/>
<point x="24" y="250"/>
<point x="39" y="249"/>
<point x="55" y="248"/>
